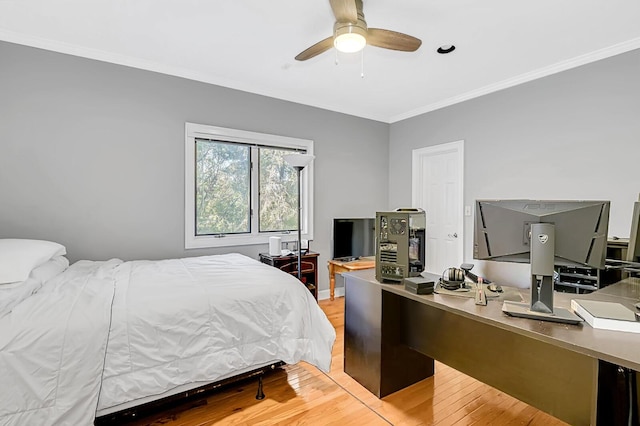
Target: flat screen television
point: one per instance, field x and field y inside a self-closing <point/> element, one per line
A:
<point x="354" y="238"/>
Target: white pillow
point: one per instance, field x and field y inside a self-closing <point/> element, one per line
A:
<point x="19" y="257"/>
<point x="13" y="294"/>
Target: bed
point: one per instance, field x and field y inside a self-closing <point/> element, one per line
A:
<point x="96" y="338"/>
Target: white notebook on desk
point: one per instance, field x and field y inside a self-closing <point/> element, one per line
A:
<point x="606" y="315"/>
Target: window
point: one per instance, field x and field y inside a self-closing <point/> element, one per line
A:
<point x="239" y="190"/>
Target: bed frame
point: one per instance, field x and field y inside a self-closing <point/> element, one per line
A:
<point x="133" y="413"/>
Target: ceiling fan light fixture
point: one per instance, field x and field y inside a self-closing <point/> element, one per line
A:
<point x="351" y="34"/>
<point x="350" y="38"/>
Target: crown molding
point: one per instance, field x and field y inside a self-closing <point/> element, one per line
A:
<point x="104" y="56"/>
<point x="597" y="55"/>
<point x="128" y="61"/>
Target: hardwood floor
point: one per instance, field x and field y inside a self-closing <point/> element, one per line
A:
<point x="301" y="394"/>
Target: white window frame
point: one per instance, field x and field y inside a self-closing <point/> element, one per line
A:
<point x="202" y="131"/>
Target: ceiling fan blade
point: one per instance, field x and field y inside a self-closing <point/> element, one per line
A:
<point x="316" y="49"/>
<point x="392" y="40"/>
<point x="345" y="10"/>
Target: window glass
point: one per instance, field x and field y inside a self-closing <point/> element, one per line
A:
<point x="278" y="192"/>
<point x="240" y="191"/>
<point x="223" y="182"/>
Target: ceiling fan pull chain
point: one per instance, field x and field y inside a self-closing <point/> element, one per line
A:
<point x="362" y="63"/>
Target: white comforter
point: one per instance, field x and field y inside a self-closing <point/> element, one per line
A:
<point x="173" y="322"/>
<point x="52" y="347"/>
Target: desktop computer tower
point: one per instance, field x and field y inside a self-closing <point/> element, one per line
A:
<point x="400" y="244"/>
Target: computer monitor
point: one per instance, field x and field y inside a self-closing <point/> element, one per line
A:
<point x="543" y="233"/>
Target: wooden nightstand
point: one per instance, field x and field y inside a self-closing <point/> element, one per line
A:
<point x="309" y="263"/>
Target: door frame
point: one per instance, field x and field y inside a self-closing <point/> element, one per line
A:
<point x="418" y="178"/>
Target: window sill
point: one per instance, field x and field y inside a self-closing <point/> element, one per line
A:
<point x="206" y="241"/>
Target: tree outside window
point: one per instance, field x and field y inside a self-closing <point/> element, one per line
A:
<point x="223" y="183"/>
<point x="278" y="192"/>
<point x="239" y="190"/>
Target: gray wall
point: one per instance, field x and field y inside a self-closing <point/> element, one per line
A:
<point x="92" y="155"/>
<point x="572" y="135"/>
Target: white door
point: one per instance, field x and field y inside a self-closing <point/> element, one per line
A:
<point x="437" y="187"/>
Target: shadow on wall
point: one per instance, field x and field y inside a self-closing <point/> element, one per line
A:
<point x="505" y="273"/>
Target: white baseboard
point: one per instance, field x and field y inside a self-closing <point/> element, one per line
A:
<point x="324" y="294"/>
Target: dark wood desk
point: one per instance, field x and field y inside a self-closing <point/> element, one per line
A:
<point x="566" y="370"/>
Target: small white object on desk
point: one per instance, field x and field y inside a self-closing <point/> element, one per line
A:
<point x="606" y="315"/>
<point x="274" y="246"/>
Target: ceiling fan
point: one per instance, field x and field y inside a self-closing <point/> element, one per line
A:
<point x="351" y="34"/>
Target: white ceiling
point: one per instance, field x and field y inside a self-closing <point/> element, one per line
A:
<point x="250" y="45"/>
